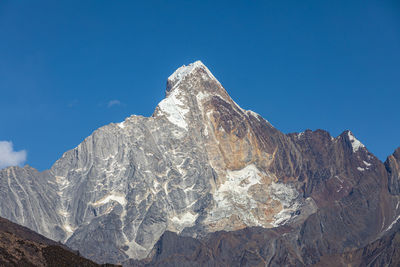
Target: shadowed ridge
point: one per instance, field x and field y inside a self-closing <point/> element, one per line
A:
<point x="20" y="246"/>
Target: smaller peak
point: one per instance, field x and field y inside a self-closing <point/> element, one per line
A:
<point x="355" y="143"/>
<point x="184" y="71"/>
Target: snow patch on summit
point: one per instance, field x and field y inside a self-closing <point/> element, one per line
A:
<point x="354" y="142"/>
<point x="183" y="71"/>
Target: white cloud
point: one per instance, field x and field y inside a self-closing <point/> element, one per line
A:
<point x="9" y="157"/>
<point x="113" y="103"/>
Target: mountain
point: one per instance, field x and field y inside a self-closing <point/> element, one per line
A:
<point x="20" y="246"/>
<point x="201" y="167"/>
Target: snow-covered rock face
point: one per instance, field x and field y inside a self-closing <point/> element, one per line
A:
<point x="199" y="164"/>
<point x="174" y="109"/>
<point x="354" y="142"/>
<point x="249" y="197"/>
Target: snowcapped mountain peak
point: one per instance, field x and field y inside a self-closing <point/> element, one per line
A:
<point x="188" y="89"/>
<point x="184" y="70"/>
<point x="181" y="73"/>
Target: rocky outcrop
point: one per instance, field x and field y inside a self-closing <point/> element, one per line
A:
<point x="202" y="165"/>
<point x="392" y="165"/>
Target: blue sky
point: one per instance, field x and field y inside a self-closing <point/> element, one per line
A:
<point x="69" y="67"/>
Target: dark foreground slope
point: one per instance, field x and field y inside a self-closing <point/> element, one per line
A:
<point x="382" y="252"/>
<point x="263" y="247"/>
<point x="20" y="246"/>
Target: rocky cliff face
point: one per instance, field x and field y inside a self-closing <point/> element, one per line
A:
<point x="201" y="164"/>
<point x="392" y="165"/>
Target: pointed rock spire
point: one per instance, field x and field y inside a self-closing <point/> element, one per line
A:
<point x="181" y="73"/>
<point x="187" y="89"/>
